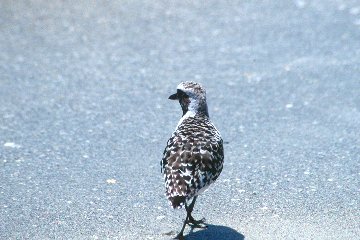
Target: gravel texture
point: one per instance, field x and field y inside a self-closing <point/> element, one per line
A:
<point x="84" y="117"/>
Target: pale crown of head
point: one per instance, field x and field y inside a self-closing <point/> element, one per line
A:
<point x="197" y="96"/>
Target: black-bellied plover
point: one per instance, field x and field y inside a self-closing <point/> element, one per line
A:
<point x="194" y="155"/>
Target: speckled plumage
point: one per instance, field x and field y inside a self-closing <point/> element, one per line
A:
<point x="193" y="157"/>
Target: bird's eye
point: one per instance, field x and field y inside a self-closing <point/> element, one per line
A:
<point x="181" y="94"/>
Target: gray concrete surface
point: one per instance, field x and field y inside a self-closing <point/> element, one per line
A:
<point x="84" y="116"/>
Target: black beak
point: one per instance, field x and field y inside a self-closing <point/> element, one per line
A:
<point x="174" y="97"/>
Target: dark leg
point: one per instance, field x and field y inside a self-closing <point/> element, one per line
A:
<point x="180" y="236"/>
<point x="191" y="206"/>
<point x="192" y="221"/>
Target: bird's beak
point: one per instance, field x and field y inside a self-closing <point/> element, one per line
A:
<point x="174" y="97"/>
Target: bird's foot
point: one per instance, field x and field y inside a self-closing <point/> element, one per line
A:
<point x="196" y="223"/>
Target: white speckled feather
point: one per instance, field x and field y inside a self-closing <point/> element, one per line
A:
<point x="193" y="157"/>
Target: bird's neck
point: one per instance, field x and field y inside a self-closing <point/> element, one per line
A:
<point x="195" y="107"/>
<point x="191" y="113"/>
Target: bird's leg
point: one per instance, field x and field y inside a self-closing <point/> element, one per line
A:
<point x="180" y="235"/>
<point x="191" y="220"/>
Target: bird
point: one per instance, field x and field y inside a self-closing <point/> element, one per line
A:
<point x="194" y="155"/>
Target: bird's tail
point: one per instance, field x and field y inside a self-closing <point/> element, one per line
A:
<point x="177" y="201"/>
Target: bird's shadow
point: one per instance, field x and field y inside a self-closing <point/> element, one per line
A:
<point x="215" y="232"/>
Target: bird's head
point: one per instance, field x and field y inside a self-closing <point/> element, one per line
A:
<point x="192" y="98"/>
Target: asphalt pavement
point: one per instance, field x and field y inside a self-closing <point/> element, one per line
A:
<point x="84" y="117"/>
